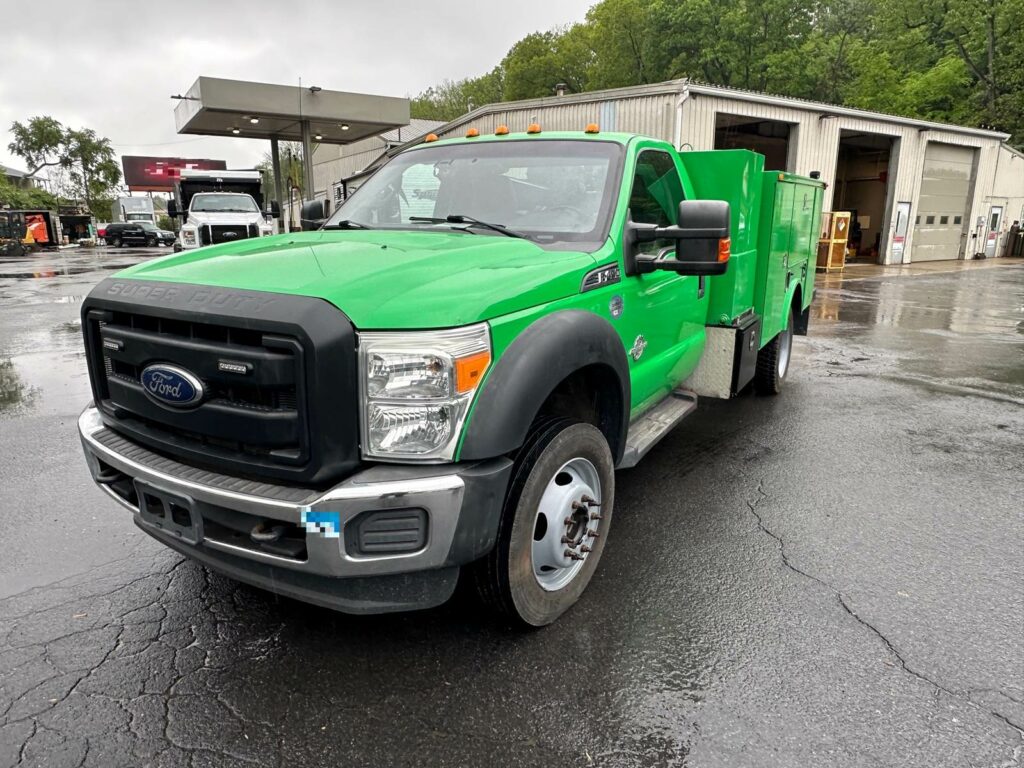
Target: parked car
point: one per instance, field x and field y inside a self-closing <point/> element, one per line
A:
<point x="145" y="233"/>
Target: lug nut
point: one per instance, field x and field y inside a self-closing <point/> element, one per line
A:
<point x="590" y="502"/>
<point x="593" y="534"/>
<point x="568" y="521"/>
<point x="595" y="516"/>
<point x="584" y="549"/>
<point x="577" y="506"/>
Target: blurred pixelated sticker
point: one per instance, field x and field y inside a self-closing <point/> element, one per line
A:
<point x="323" y="523"/>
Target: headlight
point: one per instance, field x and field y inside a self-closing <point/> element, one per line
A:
<point x="416" y="389"/>
<point x="266" y="231"/>
<point x="189" y="236"/>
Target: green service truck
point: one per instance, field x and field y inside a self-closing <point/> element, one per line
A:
<point x="445" y="375"/>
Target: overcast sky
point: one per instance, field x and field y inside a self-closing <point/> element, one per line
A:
<point x="111" y="65"/>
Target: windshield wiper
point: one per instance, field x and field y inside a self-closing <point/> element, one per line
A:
<point x="458" y="218"/>
<point x="346" y="224"/>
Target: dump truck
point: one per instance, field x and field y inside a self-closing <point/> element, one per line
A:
<point x="444" y="377"/>
<point x="220" y="206"/>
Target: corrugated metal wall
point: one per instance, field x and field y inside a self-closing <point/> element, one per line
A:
<point x="817" y="149"/>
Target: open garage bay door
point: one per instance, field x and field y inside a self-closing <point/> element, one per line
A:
<point x="946" y="186"/>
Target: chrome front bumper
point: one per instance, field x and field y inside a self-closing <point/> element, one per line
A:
<point x="452" y="537"/>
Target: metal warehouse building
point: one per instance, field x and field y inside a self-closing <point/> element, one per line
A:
<point x="921" y="191"/>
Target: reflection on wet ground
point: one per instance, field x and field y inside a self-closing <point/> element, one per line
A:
<point x="959" y="328"/>
<point x="41" y="356"/>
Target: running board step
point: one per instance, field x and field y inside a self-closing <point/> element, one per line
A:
<point x="646" y="431"/>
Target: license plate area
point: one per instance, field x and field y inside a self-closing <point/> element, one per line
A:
<point x="170" y="512"/>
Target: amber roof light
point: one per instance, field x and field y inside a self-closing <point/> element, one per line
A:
<point x="533" y="128"/>
<point x="592" y="128"/>
<point x="501" y="130"/>
<point x="430" y="137"/>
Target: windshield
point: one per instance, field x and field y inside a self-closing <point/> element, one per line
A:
<point x="550" y="190"/>
<point x="214" y="203"/>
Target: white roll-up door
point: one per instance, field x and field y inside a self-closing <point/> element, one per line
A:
<point x="943" y="205"/>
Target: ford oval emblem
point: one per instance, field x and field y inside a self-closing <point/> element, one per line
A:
<point x="171" y="385"/>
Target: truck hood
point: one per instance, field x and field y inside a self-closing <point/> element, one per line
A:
<point x="201" y="218"/>
<point x="387" y="279"/>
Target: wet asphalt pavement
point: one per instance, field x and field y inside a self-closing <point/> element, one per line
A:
<point x="833" y="577"/>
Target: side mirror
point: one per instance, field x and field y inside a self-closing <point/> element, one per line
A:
<point x="275" y="209"/>
<point x="701" y="235"/>
<point x="313" y="215"/>
<point x="172" y="208"/>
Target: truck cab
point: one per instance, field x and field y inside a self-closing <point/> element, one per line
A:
<point x="447" y="374"/>
<point x="219" y="207"/>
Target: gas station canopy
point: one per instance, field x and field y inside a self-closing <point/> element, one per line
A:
<point x="236" y="108"/>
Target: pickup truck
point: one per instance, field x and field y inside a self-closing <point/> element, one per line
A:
<point x="444" y="377"/>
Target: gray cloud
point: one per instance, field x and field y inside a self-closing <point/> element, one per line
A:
<point x="112" y="65"/>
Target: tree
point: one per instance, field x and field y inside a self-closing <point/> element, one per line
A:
<point x="39" y="142"/>
<point x="290" y="156"/>
<point x="91" y="171"/>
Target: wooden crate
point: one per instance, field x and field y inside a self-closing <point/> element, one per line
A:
<point x="835" y="231"/>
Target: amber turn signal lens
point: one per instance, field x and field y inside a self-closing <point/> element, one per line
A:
<point x="431" y="137"/>
<point x="533" y="128"/>
<point x="501" y="130"/>
<point x="592" y="128"/>
<point x="472" y="133"/>
<point x="469" y="371"/>
<point x="723" y="249"/>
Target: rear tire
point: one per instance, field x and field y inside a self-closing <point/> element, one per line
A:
<point x="528" y="577"/>
<point x="774" y="359"/>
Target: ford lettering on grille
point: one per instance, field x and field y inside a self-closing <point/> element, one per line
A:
<point x="170" y="385"/>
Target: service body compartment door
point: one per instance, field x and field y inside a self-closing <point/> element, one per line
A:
<point x="780" y="246"/>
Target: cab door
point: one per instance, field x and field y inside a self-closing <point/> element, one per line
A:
<point x="662" y="323"/>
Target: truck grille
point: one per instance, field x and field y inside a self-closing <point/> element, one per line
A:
<point x="210" y="234"/>
<point x="259" y="375"/>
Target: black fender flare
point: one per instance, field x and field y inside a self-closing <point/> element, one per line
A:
<point x="543" y="355"/>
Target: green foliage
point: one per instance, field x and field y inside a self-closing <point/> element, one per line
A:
<point x="88" y="160"/>
<point x="958" y="61"/>
<point x="18" y="197"/>
<point x="165" y="222"/>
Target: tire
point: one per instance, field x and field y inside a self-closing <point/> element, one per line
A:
<point x="774" y="359"/>
<point x="560" y="462"/>
<point x="151" y="242"/>
<point x="116" y="242"/>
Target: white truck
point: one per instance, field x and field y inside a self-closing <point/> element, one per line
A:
<point x="220" y="207"/>
<point x="133" y="209"/>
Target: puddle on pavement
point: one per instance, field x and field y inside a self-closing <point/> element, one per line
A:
<point x="960" y="331"/>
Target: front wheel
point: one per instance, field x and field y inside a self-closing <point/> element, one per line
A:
<point x="554" y="524"/>
<point x="151" y="242"/>
<point x="773" y="360"/>
<point x="115" y="242"/>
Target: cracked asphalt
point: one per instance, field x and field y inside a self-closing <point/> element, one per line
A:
<point x="832" y="577"/>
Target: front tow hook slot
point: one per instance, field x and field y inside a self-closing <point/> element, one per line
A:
<point x="265" y="533"/>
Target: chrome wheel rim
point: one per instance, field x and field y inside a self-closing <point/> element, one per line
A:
<point x="785" y="347"/>
<point x="566" y="525"/>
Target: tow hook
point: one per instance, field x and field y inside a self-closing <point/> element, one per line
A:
<point x="266" y="533"/>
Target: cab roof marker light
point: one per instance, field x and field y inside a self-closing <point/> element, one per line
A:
<point x="533" y="128"/>
<point x="430" y="137"/>
<point x="501" y="130"/>
<point x="592" y="128"/>
<point x="472" y="133"/>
